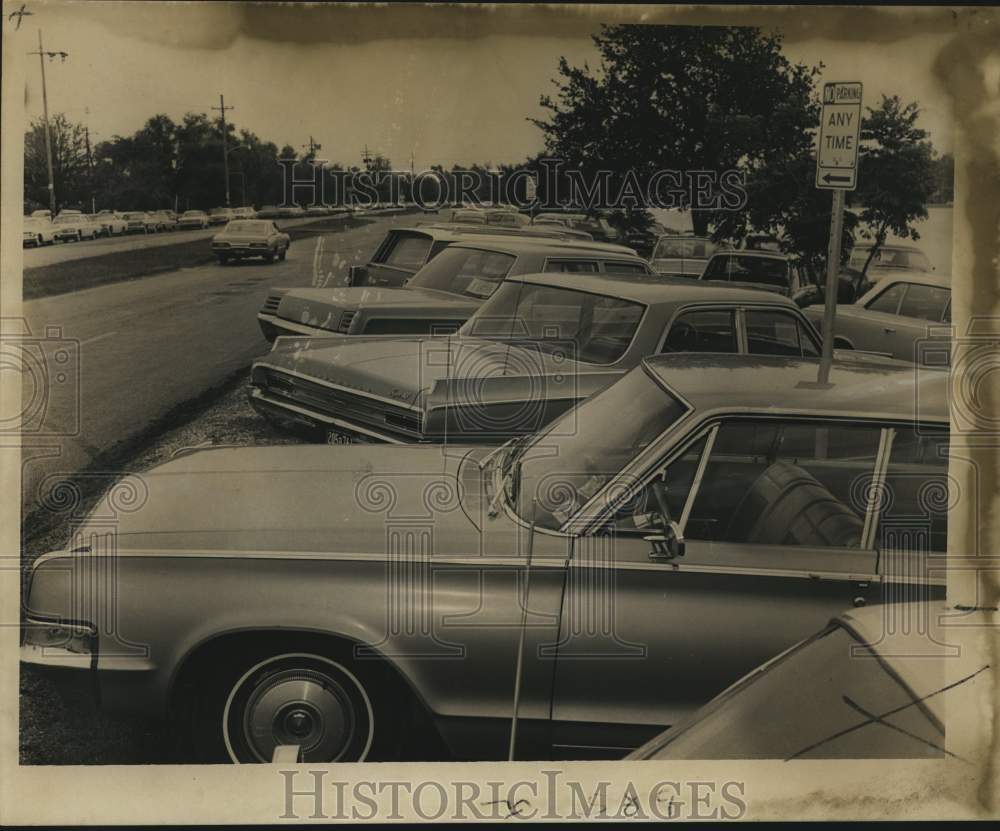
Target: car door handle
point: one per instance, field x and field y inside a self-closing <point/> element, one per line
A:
<point x="889" y="331"/>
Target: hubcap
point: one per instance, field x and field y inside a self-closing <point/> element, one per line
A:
<point x="301" y="707"/>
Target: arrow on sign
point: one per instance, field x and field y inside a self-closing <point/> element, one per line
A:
<point x="829" y="177"/>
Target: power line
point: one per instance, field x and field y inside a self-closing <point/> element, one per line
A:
<point x="42" y="55"/>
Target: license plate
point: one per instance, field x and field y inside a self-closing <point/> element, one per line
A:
<point x="335" y="437"/>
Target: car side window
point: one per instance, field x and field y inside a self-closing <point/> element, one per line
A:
<point x="888" y="301"/>
<point x="777" y="333"/>
<point x="915" y="517"/>
<point x="613" y="267"/>
<point x="702" y="330"/>
<point x="925" y="302"/>
<point x="793" y="483"/>
<point x="572" y="266"/>
<point x="717" y="269"/>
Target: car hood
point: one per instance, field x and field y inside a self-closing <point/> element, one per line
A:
<point x="303" y="498"/>
<point x="324" y="307"/>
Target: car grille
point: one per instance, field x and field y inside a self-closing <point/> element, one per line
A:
<point x="345" y="322"/>
<point x="271" y="304"/>
<point x="340" y="403"/>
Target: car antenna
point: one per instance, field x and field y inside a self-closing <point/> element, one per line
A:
<point x="519" y="666"/>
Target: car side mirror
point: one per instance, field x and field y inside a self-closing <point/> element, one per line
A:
<point x="669" y="544"/>
<point x="357" y="275"/>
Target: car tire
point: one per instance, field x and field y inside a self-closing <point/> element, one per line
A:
<point x="269" y="257"/>
<point x="335" y="708"/>
<point x="282" y="254"/>
<point x="223" y="259"/>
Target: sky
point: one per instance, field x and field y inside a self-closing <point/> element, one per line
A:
<point x="447" y="89"/>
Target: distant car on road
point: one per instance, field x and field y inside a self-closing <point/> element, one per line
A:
<point x="683" y="255"/>
<point x="766" y="270"/>
<point x="220" y="216"/>
<point x="805" y="702"/>
<point x="902" y="316"/>
<point x="74" y="227"/>
<point x="442" y="295"/>
<point x="244" y="238"/>
<point x="539" y="344"/>
<point x="468" y="216"/>
<point x="38" y="231"/>
<point x="193" y="219"/>
<point x="597" y="226"/>
<point x="244" y="213"/>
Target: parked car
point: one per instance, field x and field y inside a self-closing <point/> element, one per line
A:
<point x="546" y="231"/>
<point x="269" y="212"/>
<point x="112" y="222"/>
<point x="244" y="238"/>
<point x="891" y="258"/>
<point x="337" y="598"/>
<point x="465" y="270"/>
<point x="72" y="226"/>
<point x="766" y="270"/>
<point x="193" y="219"/>
<point x="904" y="316"/>
<point x="244" y="213"/>
<point x="165" y="220"/>
<point x="41" y="214"/>
<point x="139" y="222"/>
<point x="540" y="344"/>
<point x="683" y="255"/>
<point x="38" y="231"/>
<point x="219" y="216"/>
<point x="597" y="226"/>
<point x="857" y="689"/>
<point x="506" y="218"/>
<point x="468" y="216"/>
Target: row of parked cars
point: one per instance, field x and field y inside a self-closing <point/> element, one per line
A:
<point x="501" y="422"/>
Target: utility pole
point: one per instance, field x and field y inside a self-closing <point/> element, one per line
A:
<point x="90" y="160"/>
<point x="313" y="146"/>
<point x="42" y="55"/>
<point x="366" y="157"/>
<point x="225" y="152"/>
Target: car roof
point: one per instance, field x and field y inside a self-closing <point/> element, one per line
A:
<point x="891" y="389"/>
<point x="930" y="278"/>
<point x="753" y="252"/>
<point x="653" y="289"/>
<point x="514" y="243"/>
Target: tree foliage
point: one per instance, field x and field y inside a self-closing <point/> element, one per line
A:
<point x="688" y="98"/>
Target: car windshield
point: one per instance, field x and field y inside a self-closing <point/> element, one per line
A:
<point x="767" y="271"/>
<point x="581" y="452"/>
<point x="246" y="226"/>
<point x="587" y="327"/>
<point x="687" y="248"/>
<point x="469" y="272"/>
<point x="809" y="704"/>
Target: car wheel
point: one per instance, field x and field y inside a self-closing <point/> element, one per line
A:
<point x="269" y="257"/>
<point x="223" y="259"/>
<point x="282" y="254"/>
<point x="329" y="706"/>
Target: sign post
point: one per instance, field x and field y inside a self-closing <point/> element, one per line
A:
<point x="836" y="170"/>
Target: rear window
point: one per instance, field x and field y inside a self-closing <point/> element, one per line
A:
<point x="694" y="248"/>
<point x="408" y="251"/>
<point x="619" y="267"/>
<point x="741" y="269"/>
<point x="470" y="272"/>
<point x="593" y="328"/>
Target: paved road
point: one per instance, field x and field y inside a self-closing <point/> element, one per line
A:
<point x="65" y="251"/>
<point x="132" y="351"/>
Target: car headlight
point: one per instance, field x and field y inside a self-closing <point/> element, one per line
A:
<point x="78" y="638"/>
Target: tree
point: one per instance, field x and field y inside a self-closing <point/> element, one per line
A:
<point x="69" y="163"/>
<point x="687" y="98"/>
<point x="896" y="173"/>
